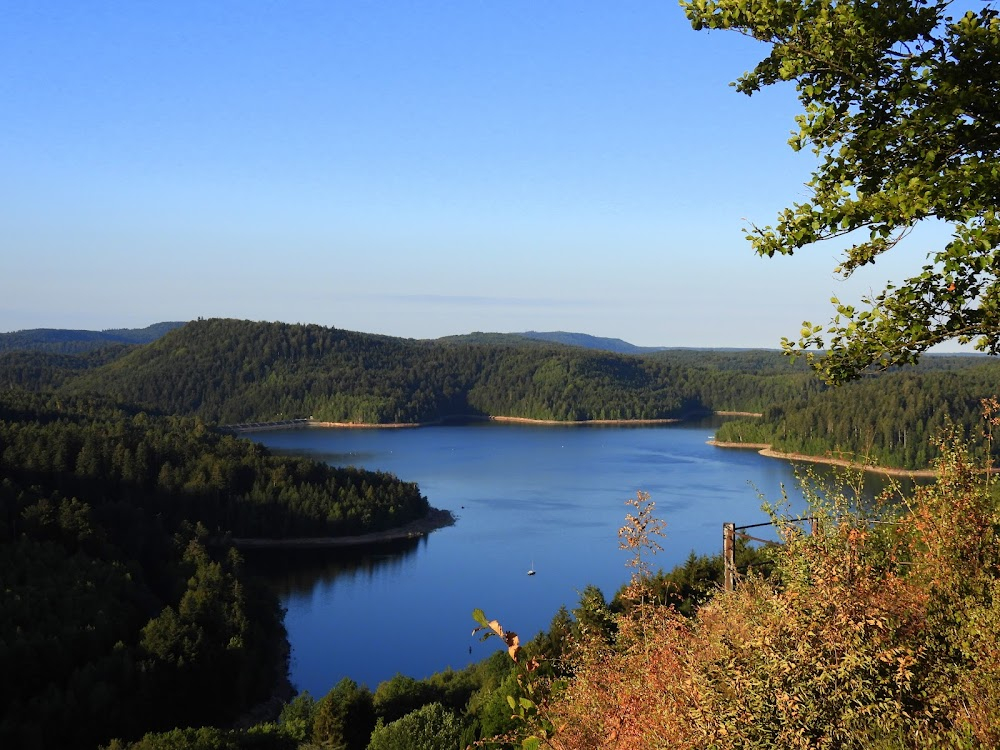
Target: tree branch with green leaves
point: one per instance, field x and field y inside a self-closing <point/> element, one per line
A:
<point x="901" y="105"/>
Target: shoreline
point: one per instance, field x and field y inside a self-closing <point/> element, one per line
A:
<point x="315" y="423"/>
<point x="421" y="527"/>
<point x="764" y="449"/>
<point x="583" y="422"/>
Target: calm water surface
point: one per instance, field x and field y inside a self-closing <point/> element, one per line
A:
<point x="551" y="497"/>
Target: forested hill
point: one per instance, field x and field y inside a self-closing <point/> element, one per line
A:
<point x="232" y="371"/>
<point x="582" y="340"/>
<point x="39" y="370"/>
<point x="589" y="342"/>
<point x="60" y="341"/>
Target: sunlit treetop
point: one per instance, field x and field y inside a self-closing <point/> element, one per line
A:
<point x="901" y="105"/>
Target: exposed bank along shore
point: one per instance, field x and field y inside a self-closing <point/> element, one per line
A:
<point x="309" y="423"/>
<point x="765" y="449"/>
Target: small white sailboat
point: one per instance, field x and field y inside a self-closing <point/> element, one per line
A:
<point x="531" y="570"/>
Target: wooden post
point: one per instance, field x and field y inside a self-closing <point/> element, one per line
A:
<point x="729" y="554"/>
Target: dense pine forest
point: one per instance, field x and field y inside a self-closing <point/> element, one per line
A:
<point x="59" y="341"/>
<point x="233" y="371"/>
<point x="890" y="420"/>
<point x="124" y="608"/>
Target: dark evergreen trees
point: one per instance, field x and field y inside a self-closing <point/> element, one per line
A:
<point x="123" y="610"/>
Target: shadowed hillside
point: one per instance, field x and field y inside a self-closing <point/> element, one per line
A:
<point x="63" y="341"/>
<point x="234" y="371"/>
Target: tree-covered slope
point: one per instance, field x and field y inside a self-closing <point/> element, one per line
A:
<point x="177" y="470"/>
<point x="123" y="610"/>
<point x="587" y="341"/>
<point x="886" y="420"/>
<point x="233" y="371"/>
<point x="66" y="341"/>
<point x="38" y="370"/>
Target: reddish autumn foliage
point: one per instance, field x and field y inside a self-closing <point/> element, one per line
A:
<point x="868" y="634"/>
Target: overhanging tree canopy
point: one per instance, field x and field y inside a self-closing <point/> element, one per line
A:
<point x="902" y="106"/>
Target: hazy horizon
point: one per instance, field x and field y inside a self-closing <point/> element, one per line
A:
<point x="411" y="170"/>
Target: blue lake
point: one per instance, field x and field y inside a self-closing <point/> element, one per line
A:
<point x="551" y="497"/>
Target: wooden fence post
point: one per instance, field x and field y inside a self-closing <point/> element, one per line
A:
<point x="729" y="554"/>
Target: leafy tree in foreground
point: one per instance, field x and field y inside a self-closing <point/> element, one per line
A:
<point x="345" y="717"/>
<point x="429" y="726"/>
<point x="400" y="695"/>
<point x="902" y="106"/>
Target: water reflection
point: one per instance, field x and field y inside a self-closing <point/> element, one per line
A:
<point x="298" y="573"/>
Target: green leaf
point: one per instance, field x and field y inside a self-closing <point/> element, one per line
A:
<point x="479" y="616"/>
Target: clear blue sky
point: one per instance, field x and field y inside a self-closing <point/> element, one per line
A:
<point x="417" y="169"/>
